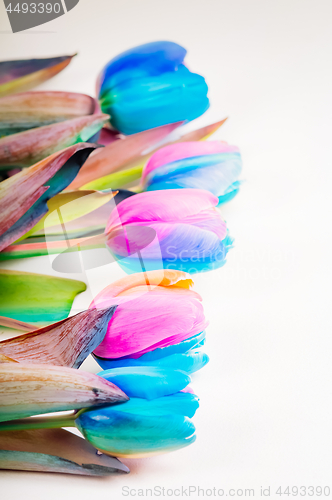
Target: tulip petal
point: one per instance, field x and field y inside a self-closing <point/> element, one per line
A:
<point x="32" y="389"/>
<point x="155" y="319"/>
<point x="166" y="206"/>
<point x="36" y="297"/>
<point x="25" y="74"/>
<point x="215" y="173"/>
<point x="27" y="148"/>
<point x="164" y="278"/>
<point x="116" y="155"/>
<point x="151" y="58"/>
<point x="152" y="358"/>
<point x="21" y="112"/>
<point x="166" y="98"/>
<point x="130" y="434"/>
<point x="182" y="246"/>
<point x="189" y="363"/>
<point x="181" y="403"/>
<point x="65" y="343"/>
<point x="184" y="150"/>
<point x="24" y="196"/>
<point x="147" y="382"/>
<point x="54" y="450"/>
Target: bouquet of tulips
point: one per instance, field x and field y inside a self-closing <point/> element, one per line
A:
<point x="89" y="181"/>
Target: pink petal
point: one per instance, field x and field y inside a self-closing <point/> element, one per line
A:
<point x="151" y="319"/>
<point x="171" y="205"/>
<point x="181" y="150"/>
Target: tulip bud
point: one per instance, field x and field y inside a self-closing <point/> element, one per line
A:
<point x="189" y="233"/>
<point x="149" y="86"/>
<point x="158" y="321"/>
<point x="214" y="166"/>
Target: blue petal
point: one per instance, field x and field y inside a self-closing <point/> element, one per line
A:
<point x="132" y="429"/>
<point x="148" y="382"/>
<point x="142" y="103"/>
<point x="188" y="363"/>
<point x="151" y="358"/>
<point x="181" y="403"/>
<point x="215" y="173"/>
<point x="231" y="193"/>
<point x="148" y="59"/>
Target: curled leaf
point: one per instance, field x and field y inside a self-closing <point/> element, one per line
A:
<point x="65" y="343"/>
<point x="24" y="74"/>
<point x="32" y="389"/>
<point x="27" y="148"/>
<point x="54" y="450"/>
<point x="24" y="196"/>
<point x="21" y="112"/>
<point x="36" y="297"/>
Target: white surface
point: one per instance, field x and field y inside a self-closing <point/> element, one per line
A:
<point x="265" y="417"/>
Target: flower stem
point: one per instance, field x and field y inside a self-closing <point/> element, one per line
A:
<point x="44" y="422"/>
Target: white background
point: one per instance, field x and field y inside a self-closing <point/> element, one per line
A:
<point x="265" y="416"/>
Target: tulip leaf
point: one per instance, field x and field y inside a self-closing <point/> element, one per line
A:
<point x="116" y="155"/>
<point x="24" y="196"/>
<point x="21" y="112"/>
<point x="117" y="179"/>
<point x="36" y="297"/>
<point x="71" y="205"/>
<point x="65" y="343"/>
<point x="54" y="450"/>
<point x="27" y="148"/>
<point x="37" y="249"/>
<point x="16" y="76"/>
<point x="34" y="389"/>
<point x="201" y="133"/>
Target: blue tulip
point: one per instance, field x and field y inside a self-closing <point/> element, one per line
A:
<point x="149" y="86"/>
<point x="155" y="420"/>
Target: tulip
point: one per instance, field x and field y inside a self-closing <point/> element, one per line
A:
<point x="214" y="166"/>
<point x="155" y="420"/>
<point x="141" y="428"/>
<point x="156" y="314"/>
<point x="149" y="86"/>
<point x="173" y="229"/>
